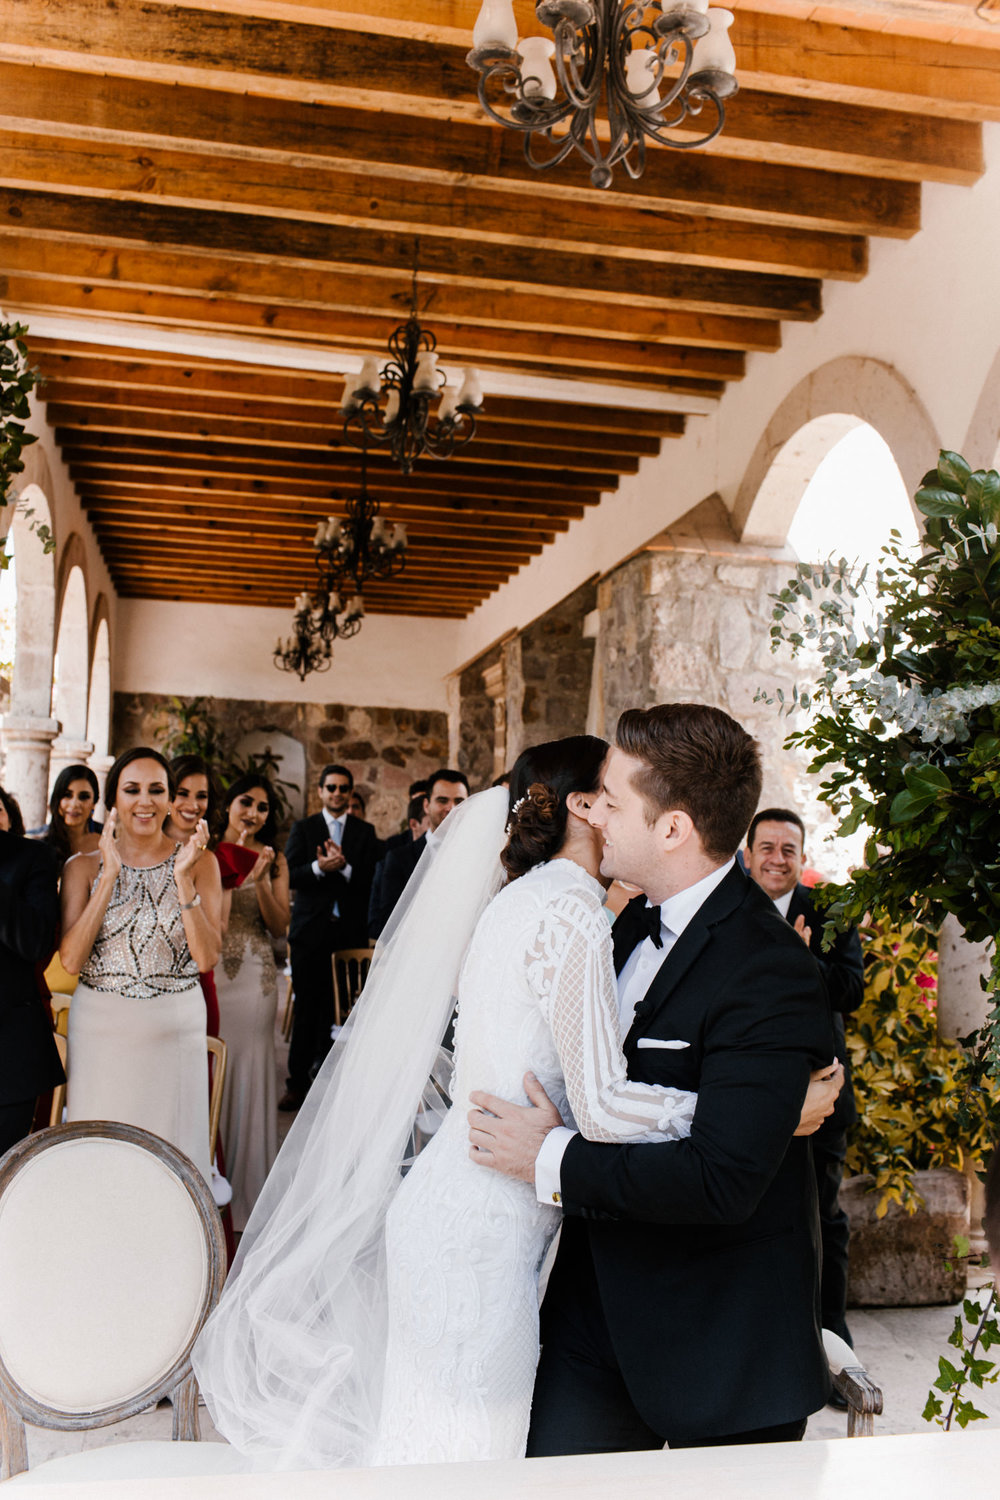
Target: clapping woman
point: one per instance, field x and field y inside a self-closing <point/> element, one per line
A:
<point x="246" y="981"/>
<point x="71" y="828"/>
<point x="141" y="916"/>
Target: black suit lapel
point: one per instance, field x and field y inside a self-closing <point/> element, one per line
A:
<point x="687" y="949"/>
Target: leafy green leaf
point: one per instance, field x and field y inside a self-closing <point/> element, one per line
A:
<point x="935" y="501"/>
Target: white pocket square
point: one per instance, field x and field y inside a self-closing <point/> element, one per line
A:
<point x="653" y="1041"/>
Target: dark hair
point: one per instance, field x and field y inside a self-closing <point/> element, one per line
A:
<point x="13" y="811"/>
<point x="417" y="808"/>
<point x="56" y="833"/>
<point x="775" y="815"/>
<point x="183" y="766"/>
<point x="141" y="752"/>
<point x="502" y="780"/>
<point x="332" y="771"/>
<point x="542" y="778"/>
<point x="443" y="773"/>
<point x="246" y="783"/>
<point x="361" y="798"/>
<point x="419" y="788"/>
<point x="699" y="760"/>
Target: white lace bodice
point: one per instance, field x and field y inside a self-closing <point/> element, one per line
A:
<point x="538" y="992"/>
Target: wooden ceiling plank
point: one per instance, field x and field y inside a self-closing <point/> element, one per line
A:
<point x="60" y="362"/>
<point x="256" y="237"/>
<point x="186" y="180"/>
<point x="362" y="70"/>
<point x="825" y="193"/>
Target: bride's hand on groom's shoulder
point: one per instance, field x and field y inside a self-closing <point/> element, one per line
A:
<point x="508" y="1137"/>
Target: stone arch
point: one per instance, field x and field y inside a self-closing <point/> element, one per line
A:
<point x="71" y="665"/>
<point x="982" y="441"/>
<point x="811" y="420"/>
<point x="28" y="728"/>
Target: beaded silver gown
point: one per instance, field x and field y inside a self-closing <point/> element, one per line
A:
<point x="137" y="1050"/>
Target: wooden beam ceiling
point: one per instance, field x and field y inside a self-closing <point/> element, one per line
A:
<point x="200" y="174"/>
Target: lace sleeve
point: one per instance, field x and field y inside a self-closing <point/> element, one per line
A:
<point x="570" y="968"/>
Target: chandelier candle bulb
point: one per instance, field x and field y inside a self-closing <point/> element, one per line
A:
<point x="471" y="393"/>
<point x="333" y="603"/>
<point x="378" y="529"/>
<point x="321" y="531"/>
<point x="536" y="67"/>
<point x="425" y="380"/>
<point x="449" y="400"/>
<point x="370" y="378"/>
<point x="641" y="77"/>
<point x="496" y="25"/>
<point x="356" y="608"/>
<point x="714" y="52"/>
<point x="332" y="529"/>
<point x="391" y="406"/>
<point x="399" y="536"/>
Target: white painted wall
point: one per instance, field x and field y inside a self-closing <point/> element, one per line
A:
<point x="928" y="307"/>
<point x="226" y="651"/>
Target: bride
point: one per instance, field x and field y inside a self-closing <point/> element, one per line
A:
<point x="383" y="1308"/>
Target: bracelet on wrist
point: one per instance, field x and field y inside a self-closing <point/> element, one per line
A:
<point x="190" y="905"/>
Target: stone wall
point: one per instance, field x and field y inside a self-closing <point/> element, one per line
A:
<point x="384" y="748"/>
<point x="540" y="680"/>
<point x="689" y="619"/>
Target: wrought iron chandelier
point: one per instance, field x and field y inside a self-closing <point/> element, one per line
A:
<point x="348" y="553"/>
<point x="391" y="407"/>
<point x="639" y="54"/>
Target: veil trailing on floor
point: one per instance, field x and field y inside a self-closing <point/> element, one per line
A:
<point x="290" y="1363"/>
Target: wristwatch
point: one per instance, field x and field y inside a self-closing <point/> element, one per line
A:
<point x="190" y="905"/>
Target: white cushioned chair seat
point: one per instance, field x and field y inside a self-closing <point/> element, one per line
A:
<point x="100" y="1310"/>
<point x="135" y="1461"/>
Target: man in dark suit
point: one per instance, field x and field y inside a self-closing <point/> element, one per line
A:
<point x="775" y="858"/>
<point x="331" y="860"/>
<point x="683" y="1305"/>
<point x="29" y="916"/>
<point x="445" y="790"/>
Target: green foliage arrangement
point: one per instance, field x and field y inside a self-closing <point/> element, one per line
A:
<point x="190" y="728"/>
<point x="979" y="1312"/>
<point x="17" y="381"/>
<point x="906" y="715"/>
<point x="908" y="1084"/>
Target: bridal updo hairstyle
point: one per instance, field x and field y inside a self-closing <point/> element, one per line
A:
<point x="542" y="778"/>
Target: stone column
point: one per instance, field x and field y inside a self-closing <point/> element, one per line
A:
<point x="68" y="751"/>
<point x="101" y="765"/>
<point x="495" y="683"/>
<point x="27" y="741"/>
<point x="962" y="1008"/>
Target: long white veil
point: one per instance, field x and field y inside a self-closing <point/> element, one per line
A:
<point x="291" y="1361"/>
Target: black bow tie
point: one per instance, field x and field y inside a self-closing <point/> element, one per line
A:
<point x="649" y="924"/>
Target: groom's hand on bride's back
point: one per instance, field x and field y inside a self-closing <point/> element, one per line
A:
<point x="508" y="1137"/>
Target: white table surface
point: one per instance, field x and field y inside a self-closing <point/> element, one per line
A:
<point x="926" y="1467"/>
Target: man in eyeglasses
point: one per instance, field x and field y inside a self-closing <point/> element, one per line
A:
<point x="331" y="859"/>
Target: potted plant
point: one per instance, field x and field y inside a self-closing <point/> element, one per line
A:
<point x="908" y="1196"/>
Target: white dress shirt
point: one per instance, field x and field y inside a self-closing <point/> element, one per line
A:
<point x="633" y="982"/>
<point x="784" y="902"/>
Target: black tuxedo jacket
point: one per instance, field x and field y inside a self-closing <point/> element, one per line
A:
<point x="315" y="895"/>
<point x="390" y="881"/>
<point x="843" y="970"/>
<point x="707" y="1250"/>
<point x="29" y="920"/>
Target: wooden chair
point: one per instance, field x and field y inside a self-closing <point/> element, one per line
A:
<point x="851" y="1379"/>
<point x="218" y="1050"/>
<point x="350" y="970"/>
<point x="288" y="1015"/>
<point x="102" y="1326"/>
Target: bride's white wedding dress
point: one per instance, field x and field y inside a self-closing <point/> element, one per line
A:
<point x="379" y="1315"/>
<point x="464" y="1244"/>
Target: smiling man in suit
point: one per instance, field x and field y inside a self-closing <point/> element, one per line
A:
<point x="331" y="859"/>
<point x="775" y="859"/>
<point x="683" y="1303"/>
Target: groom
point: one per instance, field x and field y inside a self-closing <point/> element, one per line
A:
<point x="683" y="1303"/>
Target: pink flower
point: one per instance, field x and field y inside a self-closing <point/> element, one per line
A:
<point x="926" y="981"/>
